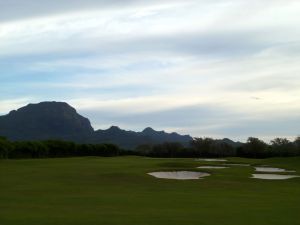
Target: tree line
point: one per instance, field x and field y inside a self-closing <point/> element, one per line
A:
<point x="208" y="147"/>
<point x="53" y="148"/>
<point x="198" y="147"/>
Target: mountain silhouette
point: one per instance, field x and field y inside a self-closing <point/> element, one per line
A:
<point x="46" y="120"/>
<point x="58" y="120"/>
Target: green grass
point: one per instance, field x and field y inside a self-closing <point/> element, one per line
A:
<point x="118" y="191"/>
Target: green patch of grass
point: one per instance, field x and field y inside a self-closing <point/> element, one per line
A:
<point x="114" y="191"/>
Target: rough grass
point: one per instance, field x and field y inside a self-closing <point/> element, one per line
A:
<point x="118" y="191"/>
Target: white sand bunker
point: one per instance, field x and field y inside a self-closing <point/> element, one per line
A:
<point x="212" y="167"/>
<point x="273" y="176"/>
<point x="236" y="164"/>
<point x="212" y="160"/>
<point x="180" y="175"/>
<point x="272" y="170"/>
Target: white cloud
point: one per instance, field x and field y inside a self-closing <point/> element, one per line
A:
<point x="150" y="58"/>
<point x="12" y="104"/>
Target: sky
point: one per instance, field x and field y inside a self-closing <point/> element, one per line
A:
<point x="213" y="68"/>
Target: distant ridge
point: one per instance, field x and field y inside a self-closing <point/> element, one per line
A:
<point x="45" y="120"/>
<point x="131" y="139"/>
<point x="58" y="120"/>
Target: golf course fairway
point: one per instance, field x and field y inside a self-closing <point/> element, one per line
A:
<point x="118" y="191"/>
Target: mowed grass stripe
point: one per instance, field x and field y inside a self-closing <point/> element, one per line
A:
<point x="95" y="190"/>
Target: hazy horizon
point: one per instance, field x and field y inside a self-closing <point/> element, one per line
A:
<point x="215" y="68"/>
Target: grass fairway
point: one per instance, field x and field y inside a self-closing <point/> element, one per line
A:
<point x="117" y="191"/>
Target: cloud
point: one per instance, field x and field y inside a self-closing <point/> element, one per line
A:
<point x="18" y="9"/>
<point x="212" y="120"/>
<point x="119" y="31"/>
<point x="190" y="66"/>
<point x="11" y="104"/>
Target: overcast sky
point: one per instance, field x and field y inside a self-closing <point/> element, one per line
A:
<point x="218" y="68"/>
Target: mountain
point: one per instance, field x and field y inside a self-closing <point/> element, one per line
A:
<point x="231" y="142"/>
<point x="58" y="120"/>
<point x="46" y="120"/>
<point x="161" y="136"/>
<point x="131" y="139"/>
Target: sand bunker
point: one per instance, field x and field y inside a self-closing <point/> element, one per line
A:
<point x="236" y="164"/>
<point x="212" y="160"/>
<point x="271" y="170"/>
<point x="212" y="167"/>
<point x="273" y="176"/>
<point x="180" y="175"/>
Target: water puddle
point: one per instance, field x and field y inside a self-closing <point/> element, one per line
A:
<point x="212" y="167"/>
<point x="272" y="170"/>
<point x="273" y="176"/>
<point x="236" y="164"/>
<point x="180" y="175"/>
<point x="212" y="160"/>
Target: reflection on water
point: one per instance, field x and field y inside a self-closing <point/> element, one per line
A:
<point x="179" y="175"/>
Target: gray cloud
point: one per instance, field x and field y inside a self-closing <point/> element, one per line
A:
<point x="200" y="121"/>
<point x="209" y="44"/>
<point x="267" y="128"/>
<point x="203" y="120"/>
<point x="20" y="9"/>
<point x="138" y="63"/>
<point x="190" y="116"/>
<point x="284" y="81"/>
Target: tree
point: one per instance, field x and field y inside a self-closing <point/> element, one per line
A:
<point x="221" y="149"/>
<point x="202" y="146"/>
<point x="167" y="149"/>
<point x="282" y="147"/>
<point x="144" y="149"/>
<point x="5" y="148"/>
<point x="297" y="145"/>
<point x="59" y="148"/>
<point x="254" y="148"/>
